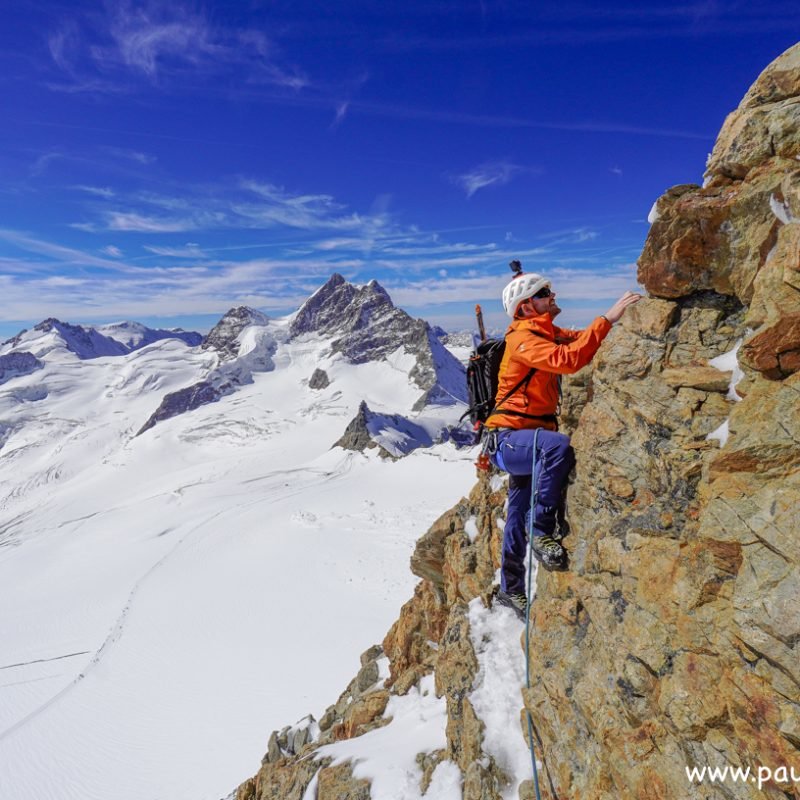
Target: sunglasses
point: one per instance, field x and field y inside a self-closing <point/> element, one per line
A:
<point x="542" y="293"/>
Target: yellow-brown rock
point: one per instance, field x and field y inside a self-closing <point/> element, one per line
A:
<point x="673" y="641"/>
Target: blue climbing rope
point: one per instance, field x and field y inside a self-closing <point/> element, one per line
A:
<point x="534" y="498"/>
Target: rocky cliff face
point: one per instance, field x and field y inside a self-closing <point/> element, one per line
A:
<point x="672" y="642"/>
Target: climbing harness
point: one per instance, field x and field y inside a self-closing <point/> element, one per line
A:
<point x="534" y="499"/>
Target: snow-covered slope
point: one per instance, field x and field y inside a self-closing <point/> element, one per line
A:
<point x="134" y="335"/>
<point x="169" y="596"/>
<point x="89" y="342"/>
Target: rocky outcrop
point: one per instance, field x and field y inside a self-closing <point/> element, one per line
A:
<point x="356" y="435"/>
<point x="13" y="365"/>
<point x="187" y="399"/>
<point x="672" y="641"/>
<point x="319" y="379"/>
<point x="395" y="435"/>
<point x="364" y="325"/>
<point x="392" y="434"/>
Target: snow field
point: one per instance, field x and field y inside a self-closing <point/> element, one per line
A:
<point x="185" y="592"/>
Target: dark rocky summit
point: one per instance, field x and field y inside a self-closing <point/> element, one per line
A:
<point x="365" y="325"/>
<point x="392" y="434"/>
<point x="356" y="435"/>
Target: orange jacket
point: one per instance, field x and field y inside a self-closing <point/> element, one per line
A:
<point x="536" y="342"/>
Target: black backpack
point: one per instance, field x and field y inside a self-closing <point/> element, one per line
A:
<point x="482" y="380"/>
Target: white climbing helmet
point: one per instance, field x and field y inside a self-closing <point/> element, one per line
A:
<point x="521" y="288"/>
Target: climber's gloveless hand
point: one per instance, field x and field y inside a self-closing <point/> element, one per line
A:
<point x="614" y="314"/>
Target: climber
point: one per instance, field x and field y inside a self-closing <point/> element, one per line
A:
<point x="537" y="353"/>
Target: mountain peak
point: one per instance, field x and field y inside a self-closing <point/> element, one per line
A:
<point x="338" y="306"/>
<point x="224" y="336"/>
<point x="365" y="325"/>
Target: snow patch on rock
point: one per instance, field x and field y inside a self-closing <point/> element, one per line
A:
<point x="387" y="756"/>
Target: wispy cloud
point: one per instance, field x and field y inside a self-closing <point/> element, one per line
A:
<point x="339" y="114"/>
<point x="66" y="255"/>
<point x="131" y="221"/>
<point x="41" y="164"/>
<point x="62" y="44"/>
<point x="577" y="24"/>
<point x="97" y="191"/>
<point x="158" y="43"/>
<point x="500" y="121"/>
<point x="130" y="155"/>
<point x="491" y="173"/>
<point x="575" y="284"/>
<point x="246" y="204"/>
<point x="111" y="250"/>
<point x="187" y="251"/>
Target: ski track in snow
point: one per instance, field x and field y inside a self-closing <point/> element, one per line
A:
<point x="117" y="629"/>
<point x="114" y="635"/>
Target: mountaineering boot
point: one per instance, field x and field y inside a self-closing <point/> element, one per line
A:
<point x="518" y="603"/>
<point x="549" y="552"/>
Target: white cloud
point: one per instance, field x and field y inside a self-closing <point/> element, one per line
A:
<point x="98" y="191"/>
<point x="160" y="42"/>
<point x="112" y="251"/>
<point x="492" y="173"/>
<point x="131" y="221"/>
<point x="340" y="114"/>
<point x="43" y="162"/>
<point x="131" y="155"/>
<point x="187" y="251"/>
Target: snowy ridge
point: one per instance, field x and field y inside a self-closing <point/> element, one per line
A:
<point x="134" y="335"/>
<point x="247" y="349"/>
<point x="116" y="339"/>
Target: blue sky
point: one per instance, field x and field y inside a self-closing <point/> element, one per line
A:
<point x="164" y="162"/>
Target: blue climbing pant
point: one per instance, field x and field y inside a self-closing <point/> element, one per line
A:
<point x="554" y="460"/>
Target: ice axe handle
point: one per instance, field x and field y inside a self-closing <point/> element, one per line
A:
<point x="481" y="329"/>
